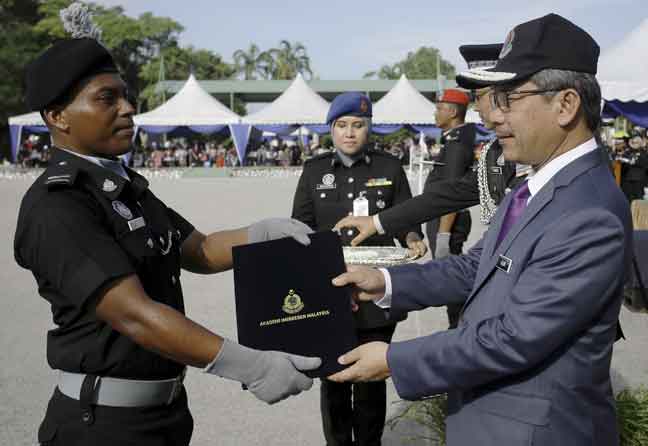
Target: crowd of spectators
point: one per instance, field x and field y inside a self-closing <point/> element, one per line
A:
<point x="178" y="153"/>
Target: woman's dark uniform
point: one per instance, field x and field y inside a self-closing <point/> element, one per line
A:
<point x="325" y="194"/>
<point x="80" y="227"/>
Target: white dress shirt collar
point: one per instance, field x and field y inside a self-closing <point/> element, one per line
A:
<point x="114" y="166"/>
<point x="537" y="179"/>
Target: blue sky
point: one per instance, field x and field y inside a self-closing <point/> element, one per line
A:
<point x="345" y="39"/>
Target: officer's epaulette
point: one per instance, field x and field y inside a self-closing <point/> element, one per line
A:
<point x="321" y="156"/>
<point x="60" y="175"/>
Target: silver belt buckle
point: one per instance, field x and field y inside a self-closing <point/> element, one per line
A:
<point x="177" y="387"/>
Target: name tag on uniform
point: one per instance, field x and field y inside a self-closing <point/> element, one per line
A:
<point x="504" y="264"/>
<point x="136" y="223"/>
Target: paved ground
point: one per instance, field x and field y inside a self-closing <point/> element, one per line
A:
<point x="223" y="413"/>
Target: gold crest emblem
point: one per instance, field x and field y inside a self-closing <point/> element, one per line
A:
<point x="292" y="303"/>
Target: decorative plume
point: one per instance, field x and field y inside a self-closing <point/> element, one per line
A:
<point x="77" y="20"/>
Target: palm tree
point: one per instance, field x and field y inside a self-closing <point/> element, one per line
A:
<point x="386" y="72"/>
<point x="247" y="62"/>
<point x="266" y="65"/>
<point x="290" y="60"/>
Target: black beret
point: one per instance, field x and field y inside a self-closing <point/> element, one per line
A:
<point x="61" y="66"/>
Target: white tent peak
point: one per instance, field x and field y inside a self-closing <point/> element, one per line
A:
<point x="623" y="69"/>
<point x="33" y="118"/>
<point x="192" y="105"/>
<point x="627" y="61"/>
<point x="404" y="104"/>
<point x="298" y="104"/>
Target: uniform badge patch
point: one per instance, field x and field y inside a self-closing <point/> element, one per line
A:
<point x="122" y="210"/>
<point x="328" y="179"/>
<point x="328" y="182"/>
<point x="109" y="186"/>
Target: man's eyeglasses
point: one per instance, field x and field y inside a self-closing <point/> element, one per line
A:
<point x="502" y="99"/>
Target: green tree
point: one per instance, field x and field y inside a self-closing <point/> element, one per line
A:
<point x="249" y="63"/>
<point x="178" y="64"/>
<point x="132" y="41"/>
<point x="288" y="60"/>
<point x="419" y="64"/>
<point x="19" y="44"/>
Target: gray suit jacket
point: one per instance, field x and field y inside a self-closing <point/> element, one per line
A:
<point x="530" y="360"/>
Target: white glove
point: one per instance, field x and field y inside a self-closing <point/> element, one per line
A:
<point x="271" y="376"/>
<point x="442" y="248"/>
<point x="274" y="228"/>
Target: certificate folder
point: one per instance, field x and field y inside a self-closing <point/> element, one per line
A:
<point x="285" y="300"/>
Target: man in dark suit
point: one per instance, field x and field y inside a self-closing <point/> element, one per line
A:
<point x="530" y="360"/>
<point x="354" y="180"/>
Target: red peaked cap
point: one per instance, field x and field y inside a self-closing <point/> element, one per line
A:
<point x="455" y="97"/>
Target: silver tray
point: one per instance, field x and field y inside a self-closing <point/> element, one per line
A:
<point x="377" y="255"/>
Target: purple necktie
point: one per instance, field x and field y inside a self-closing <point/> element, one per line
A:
<point x="515" y="210"/>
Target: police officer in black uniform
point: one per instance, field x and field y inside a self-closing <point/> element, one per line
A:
<point x="485" y="185"/>
<point x="448" y="234"/>
<point x="106" y="253"/>
<point x="354" y="180"/>
<point x="634" y="168"/>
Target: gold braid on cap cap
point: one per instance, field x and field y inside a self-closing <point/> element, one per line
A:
<point x="77" y="21"/>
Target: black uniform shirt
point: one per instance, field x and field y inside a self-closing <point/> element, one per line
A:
<point x="80" y="227"/>
<point x="325" y="195"/>
<point x="457" y="154"/>
<point x="455" y="194"/>
<point x="327" y="188"/>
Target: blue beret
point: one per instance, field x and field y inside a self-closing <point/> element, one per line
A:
<point x="352" y="103"/>
<point x="61" y="66"/>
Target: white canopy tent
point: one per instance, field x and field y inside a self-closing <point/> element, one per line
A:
<point x="196" y="109"/>
<point x="623" y="75"/>
<point x="30" y="121"/>
<point x="298" y="104"/>
<point x="192" y="105"/>
<point x="404" y="104"/>
<point x="623" y="69"/>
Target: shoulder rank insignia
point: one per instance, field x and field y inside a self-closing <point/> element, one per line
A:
<point x="292" y="303"/>
<point x="61" y="177"/>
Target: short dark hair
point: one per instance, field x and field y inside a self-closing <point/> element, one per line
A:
<point x="460" y="109"/>
<point x="585" y="85"/>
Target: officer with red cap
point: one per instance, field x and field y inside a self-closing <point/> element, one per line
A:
<point x="446" y="235"/>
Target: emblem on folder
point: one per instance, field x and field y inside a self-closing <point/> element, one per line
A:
<point x="292" y="303"/>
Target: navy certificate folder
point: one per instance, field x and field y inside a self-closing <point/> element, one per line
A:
<point x="285" y="300"/>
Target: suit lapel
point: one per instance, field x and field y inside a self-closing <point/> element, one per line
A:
<point x="540" y="200"/>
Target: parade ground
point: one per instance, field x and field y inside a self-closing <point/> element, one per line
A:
<point x="224" y="414"/>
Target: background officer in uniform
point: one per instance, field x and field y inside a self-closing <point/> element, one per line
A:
<point x="634" y="168"/>
<point x="107" y="254"/>
<point x="329" y="188"/>
<point x="456" y="158"/>
<point x="446" y="196"/>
